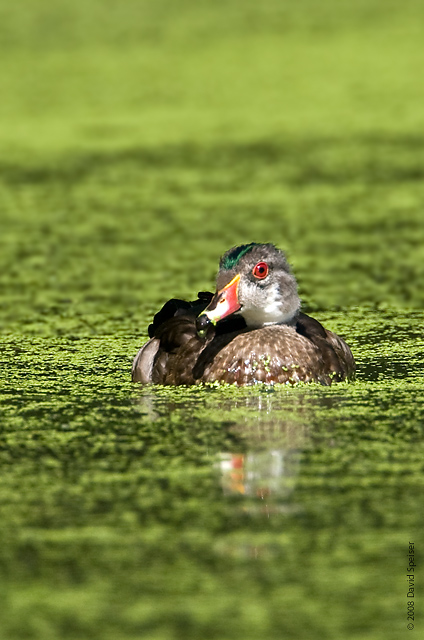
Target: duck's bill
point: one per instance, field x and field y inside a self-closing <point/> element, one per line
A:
<point x="222" y="305"/>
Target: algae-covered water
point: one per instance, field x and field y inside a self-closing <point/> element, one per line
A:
<point x="138" y="142"/>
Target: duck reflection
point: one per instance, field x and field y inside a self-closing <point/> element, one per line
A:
<point x="264" y="433"/>
<point x="263" y="470"/>
<point x="259" y="474"/>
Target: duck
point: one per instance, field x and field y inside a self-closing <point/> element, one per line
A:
<point x="250" y="331"/>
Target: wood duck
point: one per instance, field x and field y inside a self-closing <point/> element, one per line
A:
<point x="250" y="331"/>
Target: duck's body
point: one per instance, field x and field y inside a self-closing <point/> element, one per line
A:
<point x="260" y="333"/>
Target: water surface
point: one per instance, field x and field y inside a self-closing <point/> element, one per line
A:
<point x="208" y="512"/>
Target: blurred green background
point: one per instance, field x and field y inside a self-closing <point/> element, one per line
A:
<point x="138" y="141"/>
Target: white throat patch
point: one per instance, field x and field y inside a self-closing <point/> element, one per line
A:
<point x="271" y="313"/>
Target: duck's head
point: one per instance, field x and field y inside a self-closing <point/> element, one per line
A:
<point x="254" y="281"/>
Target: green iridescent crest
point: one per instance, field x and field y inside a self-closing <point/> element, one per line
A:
<point x="232" y="257"/>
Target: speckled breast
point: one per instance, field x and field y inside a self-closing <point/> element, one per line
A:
<point x="274" y="354"/>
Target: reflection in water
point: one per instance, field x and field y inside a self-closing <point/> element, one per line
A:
<point x="255" y="438"/>
<point x="264" y="430"/>
<point x="267" y="477"/>
<point x="260" y="474"/>
<point x="264" y="467"/>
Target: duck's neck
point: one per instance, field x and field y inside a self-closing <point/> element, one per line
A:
<point x="272" y="313"/>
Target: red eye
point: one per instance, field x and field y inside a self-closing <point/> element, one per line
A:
<point x="261" y="270"/>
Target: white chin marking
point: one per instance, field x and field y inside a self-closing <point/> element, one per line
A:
<point x="263" y="317"/>
<point x="271" y="312"/>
